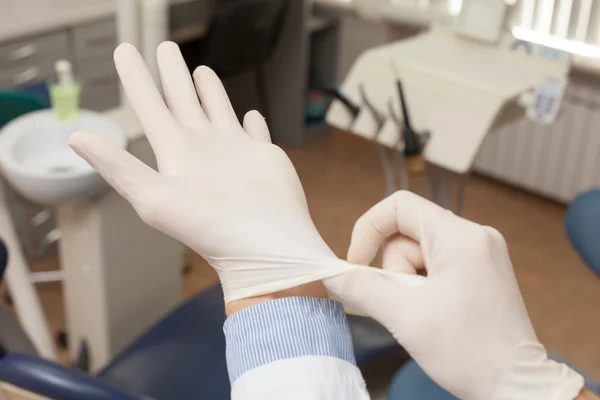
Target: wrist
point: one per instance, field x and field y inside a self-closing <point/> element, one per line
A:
<point x="586" y="395"/>
<point x="312" y="289"/>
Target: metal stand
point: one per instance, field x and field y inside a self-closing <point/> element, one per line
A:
<point x="25" y="297"/>
<point x="440" y="181"/>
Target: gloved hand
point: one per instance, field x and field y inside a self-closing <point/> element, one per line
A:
<point x="465" y="323"/>
<point x="223" y="190"/>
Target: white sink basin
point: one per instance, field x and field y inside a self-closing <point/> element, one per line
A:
<point x="37" y="162"/>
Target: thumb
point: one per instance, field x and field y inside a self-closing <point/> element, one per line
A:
<point x="256" y="126"/>
<point x="402" y="213"/>
<point x="401" y="254"/>
<point x="383" y="295"/>
<point x="126" y="174"/>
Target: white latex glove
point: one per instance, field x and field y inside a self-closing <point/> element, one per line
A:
<point x="223" y="190"/>
<point x="465" y="323"/>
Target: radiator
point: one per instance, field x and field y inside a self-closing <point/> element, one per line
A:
<point x="563" y="159"/>
<point x="556" y="161"/>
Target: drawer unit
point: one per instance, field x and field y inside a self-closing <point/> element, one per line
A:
<point x="28" y="73"/>
<point x="100" y="85"/>
<point x="94" y="45"/>
<point x="101" y="99"/>
<point x="95" y="41"/>
<point x="29" y="52"/>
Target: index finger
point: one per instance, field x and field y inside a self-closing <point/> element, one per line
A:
<point x="402" y="212"/>
<point x="145" y="99"/>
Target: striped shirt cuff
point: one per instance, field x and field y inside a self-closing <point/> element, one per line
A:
<point x="286" y="328"/>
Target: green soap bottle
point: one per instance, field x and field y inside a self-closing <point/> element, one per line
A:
<point x="65" y="94"/>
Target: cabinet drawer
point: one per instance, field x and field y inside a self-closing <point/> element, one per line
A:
<point x="100" y="99"/>
<point x="95" y="40"/>
<point x="28" y="74"/>
<point x="100" y="85"/>
<point x="32" y="50"/>
<point x="99" y="69"/>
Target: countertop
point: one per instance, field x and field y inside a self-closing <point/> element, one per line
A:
<point x="21" y="18"/>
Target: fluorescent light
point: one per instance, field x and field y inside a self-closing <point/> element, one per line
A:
<point x="570" y="46"/>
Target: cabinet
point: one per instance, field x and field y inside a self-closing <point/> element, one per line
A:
<point x="29" y="62"/>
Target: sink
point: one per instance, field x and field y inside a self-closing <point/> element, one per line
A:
<point x="38" y="163"/>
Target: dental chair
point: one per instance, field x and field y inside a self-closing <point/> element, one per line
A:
<point x="180" y="357"/>
<point x="582" y="223"/>
<point x="259" y="22"/>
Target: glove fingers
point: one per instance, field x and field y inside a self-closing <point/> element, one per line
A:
<point x="256" y="126"/>
<point x="215" y="101"/>
<point x="401" y="254"/>
<point x="179" y="89"/>
<point x="124" y="172"/>
<point x="146" y="102"/>
<point x="403" y="212"/>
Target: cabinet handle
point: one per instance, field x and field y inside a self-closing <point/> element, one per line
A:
<point x="23" y="52"/>
<point x="102" y="41"/>
<point x="26" y="76"/>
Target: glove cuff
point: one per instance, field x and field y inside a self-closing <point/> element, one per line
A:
<point x="535" y="377"/>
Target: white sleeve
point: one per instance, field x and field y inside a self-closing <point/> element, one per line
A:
<point x="292" y="348"/>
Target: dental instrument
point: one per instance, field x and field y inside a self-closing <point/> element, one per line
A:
<point x="389" y="163"/>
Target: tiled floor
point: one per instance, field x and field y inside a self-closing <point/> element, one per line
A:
<point x="342" y="179"/>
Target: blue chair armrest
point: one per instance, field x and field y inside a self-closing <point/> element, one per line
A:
<point x="582" y="223"/>
<point x="54" y="381"/>
<point x="3" y="258"/>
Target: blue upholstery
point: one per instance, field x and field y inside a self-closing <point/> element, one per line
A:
<point x="410" y="382"/>
<point x="582" y="223"/>
<point x="56" y="382"/>
<point x="3" y="258"/>
<point x="181" y="357"/>
<point x="372" y="342"/>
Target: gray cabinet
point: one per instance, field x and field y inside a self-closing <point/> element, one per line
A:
<point x="31" y="60"/>
<point x="93" y="47"/>
<point x="95" y="40"/>
<point x="89" y="47"/>
<point x="31" y="50"/>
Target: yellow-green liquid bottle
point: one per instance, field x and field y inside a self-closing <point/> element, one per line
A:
<point x="65" y="94"/>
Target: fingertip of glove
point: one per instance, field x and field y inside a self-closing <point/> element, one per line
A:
<point x="78" y="138"/>
<point x="254" y="114"/>
<point x="124" y="50"/>
<point x="165" y="47"/>
<point x="204" y="72"/>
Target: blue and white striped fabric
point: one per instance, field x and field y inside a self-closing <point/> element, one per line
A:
<point x="286" y="328"/>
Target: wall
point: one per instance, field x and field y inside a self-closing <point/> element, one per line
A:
<point x="556" y="161"/>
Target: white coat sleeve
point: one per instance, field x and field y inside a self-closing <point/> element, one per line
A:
<point x="292" y="348"/>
